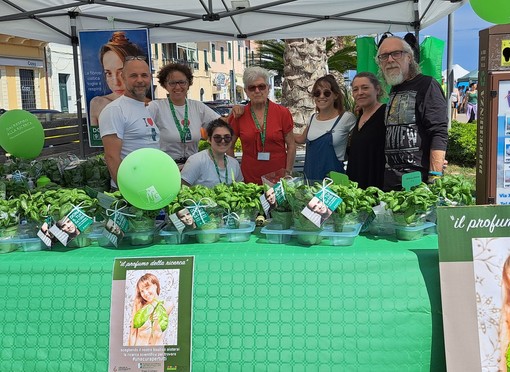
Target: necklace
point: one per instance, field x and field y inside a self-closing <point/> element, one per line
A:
<point x="217" y="168"/>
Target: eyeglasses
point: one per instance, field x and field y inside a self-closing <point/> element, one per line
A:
<point x="327" y="93"/>
<point x="182" y="83"/>
<point x="396" y="54"/>
<point x="260" y="87"/>
<point x="217" y="138"/>
<point x="135" y="58"/>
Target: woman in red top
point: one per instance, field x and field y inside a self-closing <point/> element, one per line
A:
<point x="265" y="129"/>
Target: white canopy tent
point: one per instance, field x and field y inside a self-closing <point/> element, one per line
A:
<point x="210" y="20"/>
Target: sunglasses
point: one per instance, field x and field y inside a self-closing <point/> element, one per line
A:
<point x="327" y="93"/>
<point x="182" y="83"/>
<point x="260" y="87"/>
<point x="218" y="138"/>
<point x="135" y="58"/>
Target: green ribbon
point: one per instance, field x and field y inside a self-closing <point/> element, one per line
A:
<point x="183" y="129"/>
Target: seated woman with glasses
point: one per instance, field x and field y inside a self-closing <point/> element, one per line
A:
<point x="212" y="166"/>
<point x="178" y="118"/>
<point x="327" y="132"/>
<point x="265" y="130"/>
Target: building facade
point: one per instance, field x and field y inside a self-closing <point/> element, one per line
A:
<point x="38" y="75"/>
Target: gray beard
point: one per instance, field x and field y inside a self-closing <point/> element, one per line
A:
<point x="394" y="79"/>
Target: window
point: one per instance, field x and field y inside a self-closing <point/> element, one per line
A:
<point x="156" y="51"/>
<point x="26" y="79"/>
<point x="229" y="46"/>
<point x="206" y="63"/>
<point x="213" y="53"/>
<point x="238" y="51"/>
<point x="222" y="55"/>
<point x="246" y="56"/>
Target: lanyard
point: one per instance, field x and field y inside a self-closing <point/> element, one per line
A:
<point x="184" y="129"/>
<point x="218" y="169"/>
<point x="257" y="124"/>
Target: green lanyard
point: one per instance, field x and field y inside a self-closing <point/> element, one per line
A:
<point x="257" y="124"/>
<point x="217" y="168"/>
<point x="184" y="129"/>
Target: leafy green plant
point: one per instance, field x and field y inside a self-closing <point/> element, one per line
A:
<point x="453" y="190"/>
<point x="410" y="206"/>
<point x="462" y="144"/>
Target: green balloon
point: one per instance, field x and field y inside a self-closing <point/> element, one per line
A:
<point x="494" y="11"/>
<point x="149" y="179"/>
<point x="21" y="134"/>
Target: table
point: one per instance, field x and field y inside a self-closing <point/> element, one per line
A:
<point x="374" y="305"/>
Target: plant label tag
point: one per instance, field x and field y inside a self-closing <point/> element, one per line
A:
<point x="339" y="178"/>
<point x="263" y="156"/>
<point x="411" y="179"/>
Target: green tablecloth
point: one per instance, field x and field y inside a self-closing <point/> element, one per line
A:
<point x="372" y="306"/>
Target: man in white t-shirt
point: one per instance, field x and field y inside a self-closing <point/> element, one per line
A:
<point x="125" y="124"/>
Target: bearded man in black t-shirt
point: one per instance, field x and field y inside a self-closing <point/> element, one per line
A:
<point x="416" y="116"/>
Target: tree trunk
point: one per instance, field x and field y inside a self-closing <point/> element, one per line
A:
<point x="305" y="61"/>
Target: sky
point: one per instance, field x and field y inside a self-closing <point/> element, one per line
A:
<point x="465" y="36"/>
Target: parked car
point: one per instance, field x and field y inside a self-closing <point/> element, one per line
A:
<point x="43" y="111"/>
<point x="223" y="110"/>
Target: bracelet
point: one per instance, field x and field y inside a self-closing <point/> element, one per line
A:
<point x="435" y="173"/>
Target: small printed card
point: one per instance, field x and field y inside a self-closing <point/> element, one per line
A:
<point x="321" y="206"/>
<point x="71" y="226"/>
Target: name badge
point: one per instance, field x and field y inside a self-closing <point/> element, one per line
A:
<point x="263" y="156"/>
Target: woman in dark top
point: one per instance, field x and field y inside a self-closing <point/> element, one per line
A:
<point x="366" y="151"/>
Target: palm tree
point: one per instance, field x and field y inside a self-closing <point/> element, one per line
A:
<point x="341" y="52"/>
<point x="301" y="62"/>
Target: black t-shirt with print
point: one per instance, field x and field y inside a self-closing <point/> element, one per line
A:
<point x="416" y="122"/>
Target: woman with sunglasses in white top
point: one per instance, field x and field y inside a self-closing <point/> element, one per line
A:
<point x="327" y="132"/>
<point x="178" y="118"/>
<point x="212" y="166"/>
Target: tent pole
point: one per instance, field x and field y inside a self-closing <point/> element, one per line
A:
<point x="74" y="41"/>
<point x="449" y="64"/>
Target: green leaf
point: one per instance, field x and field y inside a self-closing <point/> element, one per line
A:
<point x="141" y="316"/>
<point x="162" y="316"/>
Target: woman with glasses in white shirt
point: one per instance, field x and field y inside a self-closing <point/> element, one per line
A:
<point x="178" y="118"/>
<point x="327" y="132"/>
<point x="212" y="166"/>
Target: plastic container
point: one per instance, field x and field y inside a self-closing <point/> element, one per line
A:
<point x="275" y="236"/>
<point x="8" y="245"/>
<point x="308" y="237"/>
<point x="31" y="245"/>
<point x="345" y="237"/>
<point x="242" y="234"/>
<point x="173" y="237"/>
<point x="414" y="232"/>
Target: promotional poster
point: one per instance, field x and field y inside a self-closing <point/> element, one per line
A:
<point x="151" y="313"/>
<point x="474" y="264"/>
<point x="103" y="54"/>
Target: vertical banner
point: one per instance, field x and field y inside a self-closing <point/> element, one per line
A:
<point x="150" y="315"/>
<point x="503" y="144"/>
<point x="474" y="265"/>
<point x="431" y="57"/>
<point x="102" y="56"/>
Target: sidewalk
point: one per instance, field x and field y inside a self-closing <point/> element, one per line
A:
<point x="462" y="118"/>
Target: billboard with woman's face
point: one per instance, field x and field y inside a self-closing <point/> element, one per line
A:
<point x="103" y="54"/>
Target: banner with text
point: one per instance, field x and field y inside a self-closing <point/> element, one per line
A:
<point x="150" y="316"/>
<point x="474" y="264"/>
